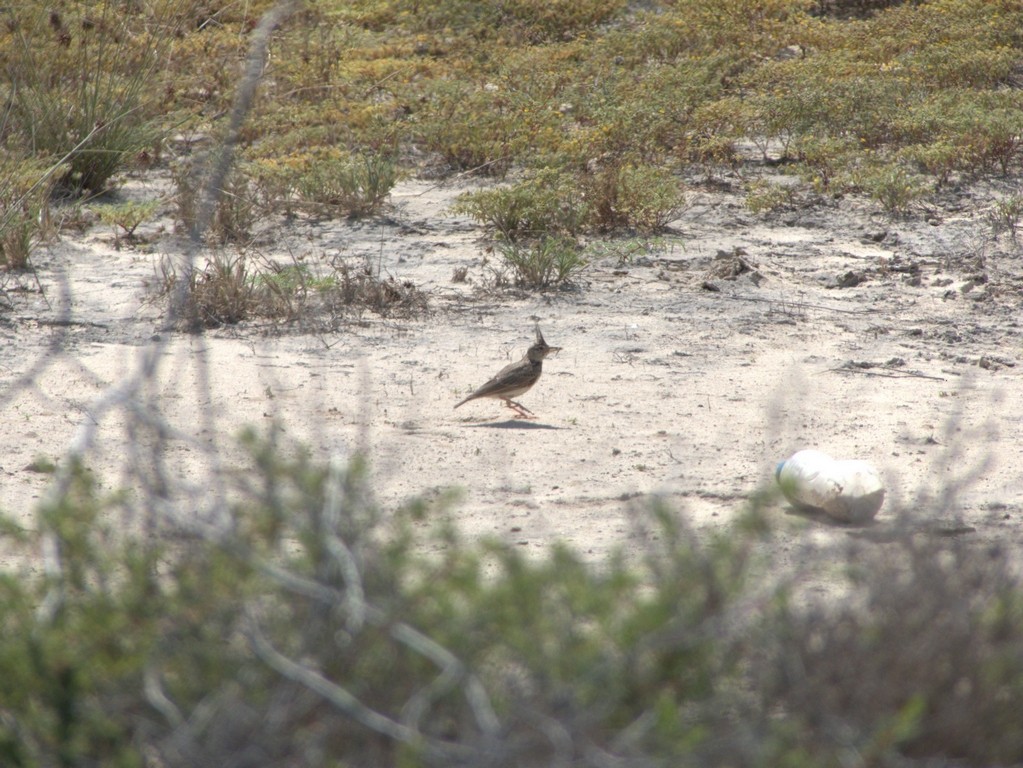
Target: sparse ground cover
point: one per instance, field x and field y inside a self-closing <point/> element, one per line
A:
<point x="752" y="225"/>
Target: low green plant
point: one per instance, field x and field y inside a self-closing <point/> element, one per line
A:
<point x="627" y="249"/>
<point x="127" y="217"/>
<point x="326" y="182"/>
<point x="549" y="262"/>
<point x="293" y="292"/>
<point x="296" y="277"/>
<point x="355" y="185"/>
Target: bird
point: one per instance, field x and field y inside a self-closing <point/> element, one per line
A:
<point x="517" y="378"/>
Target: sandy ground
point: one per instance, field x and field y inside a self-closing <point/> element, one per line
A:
<point x="688" y="371"/>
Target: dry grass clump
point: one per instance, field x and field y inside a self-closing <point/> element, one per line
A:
<point x="357" y="288"/>
<point x="233" y="288"/>
<point x="234" y="208"/>
<point x="222" y="292"/>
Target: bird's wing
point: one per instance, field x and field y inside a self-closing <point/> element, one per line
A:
<point x="507" y="374"/>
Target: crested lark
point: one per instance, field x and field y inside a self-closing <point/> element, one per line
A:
<point x="515" y="379"/>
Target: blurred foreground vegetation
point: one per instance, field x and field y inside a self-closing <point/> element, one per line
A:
<point x="300" y="624"/>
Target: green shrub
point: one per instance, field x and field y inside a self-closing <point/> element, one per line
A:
<point x="994" y="139"/>
<point x="631" y="196"/>
<point x="716" y="129"/>
<point x="939" y="158"/>
<point x="972" y="132"/>
<point x="546" y="203"/>
<point x="644" y="113"/>
<point x="311" y="627"/>
<point x="825" y="161"/>
<point x="891" y="185"/>
<point x="550" y="204"/>
<point x="327" y="182"/>
<point x="547" y="262"/>
<point x="355" y="185"/>
<point x="479" y="128"/>
<point x="765" y="197"/>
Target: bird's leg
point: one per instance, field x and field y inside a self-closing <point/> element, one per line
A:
<point x="520" y="409"/>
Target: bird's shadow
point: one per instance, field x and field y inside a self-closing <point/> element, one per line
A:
<point x="513" y="424"/>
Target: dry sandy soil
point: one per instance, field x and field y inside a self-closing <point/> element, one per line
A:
<point x="687" y="372"/>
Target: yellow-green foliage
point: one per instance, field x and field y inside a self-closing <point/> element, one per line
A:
<point x="462" y="86"/>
